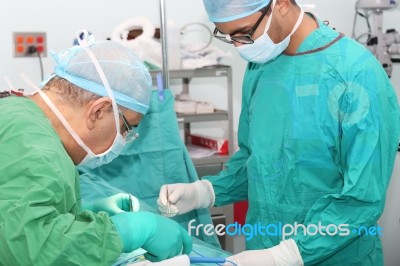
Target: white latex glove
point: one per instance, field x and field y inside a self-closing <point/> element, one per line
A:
<point x="284" y="254"/>
<point x="181" y="198"/>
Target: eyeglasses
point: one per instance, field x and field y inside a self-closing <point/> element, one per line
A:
<point x="242" y="39"/>
<point x="130" y="133"/>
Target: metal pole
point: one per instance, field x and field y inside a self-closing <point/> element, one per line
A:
<point x="164" y="46"/>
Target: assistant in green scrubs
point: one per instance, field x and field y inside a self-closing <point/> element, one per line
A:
<point x="318" y="135"/>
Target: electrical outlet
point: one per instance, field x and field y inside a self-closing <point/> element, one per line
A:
<point x="27" y="43"/>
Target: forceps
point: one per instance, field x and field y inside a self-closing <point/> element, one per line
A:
<point x="168" y="202"/>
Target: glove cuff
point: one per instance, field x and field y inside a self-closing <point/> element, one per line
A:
<point x="134" y="228"/>
<point x="286" y="253"/>
<point x="119" y="222"/>
<point x="205" y="192"/>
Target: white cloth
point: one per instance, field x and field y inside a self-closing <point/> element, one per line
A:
<point x="284" y="254"/>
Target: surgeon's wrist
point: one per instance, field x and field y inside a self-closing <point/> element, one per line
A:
<point x="286" y="253"/>
<point x="206" y="194"/>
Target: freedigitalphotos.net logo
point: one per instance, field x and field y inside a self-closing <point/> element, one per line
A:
<point x="283" y="230"/>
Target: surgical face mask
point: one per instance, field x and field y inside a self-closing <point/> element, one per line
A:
<point x="91" y="160"/>
<point x="264" y="49"/>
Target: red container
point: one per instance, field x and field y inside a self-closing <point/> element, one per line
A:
<point x="216" y="144"/>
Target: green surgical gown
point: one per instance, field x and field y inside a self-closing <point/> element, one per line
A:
<point x="40" y="218"/>
<point x="318" y="135"/>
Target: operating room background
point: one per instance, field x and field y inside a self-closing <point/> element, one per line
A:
<point x="62" y="19"/>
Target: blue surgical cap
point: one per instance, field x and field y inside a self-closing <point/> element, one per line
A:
<point x="128" y="77"/>
<point x="228" y="10"/>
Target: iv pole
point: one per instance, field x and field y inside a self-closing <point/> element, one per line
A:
<point x="164" y="46"/>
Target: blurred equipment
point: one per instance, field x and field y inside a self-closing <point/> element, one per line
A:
<point x="197" y="50"/>
<point x="11" y="89"/>
<point x="195" y="37"/>
<point x="185" y="105"/>
<point x="81" y="36"/>
<point x="220" y="145"/>
<point x="145" y="45"/>
<point x="188" y="46"/>
<point x="383" y="45"/>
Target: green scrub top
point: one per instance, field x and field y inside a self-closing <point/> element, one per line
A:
<point x="318" y="135"/>
<point x="40" y="218"/>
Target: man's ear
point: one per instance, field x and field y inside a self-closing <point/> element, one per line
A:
<point x="96" y="110"/>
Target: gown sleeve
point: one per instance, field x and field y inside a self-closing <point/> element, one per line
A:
<point x="230" y="185"/>
<point x="368" y="121"/>
<point x="40" y="218"/>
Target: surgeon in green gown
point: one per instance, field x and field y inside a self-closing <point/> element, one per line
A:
<point x="83" y="115"/>
<point x="318" y="135"/>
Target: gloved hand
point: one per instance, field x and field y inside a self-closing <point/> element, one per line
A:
<point x="284" y="254"/>
<point x="161" y="237"/>
<point x="115" y="204"/>
<point x="181" y="198"/>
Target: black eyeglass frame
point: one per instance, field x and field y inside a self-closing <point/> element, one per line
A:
<point x="246" y="38"/>
<point x="130" y="134"/>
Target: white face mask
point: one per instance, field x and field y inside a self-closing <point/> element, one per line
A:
<point x="91" y="160"/>
<point x="264" y="49"/>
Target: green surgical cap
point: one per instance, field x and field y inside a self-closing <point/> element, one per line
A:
<point x="228" y="10"/>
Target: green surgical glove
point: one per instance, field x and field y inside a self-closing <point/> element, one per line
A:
<point x="161" y="237"/>
<point x="115" y="204"/>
